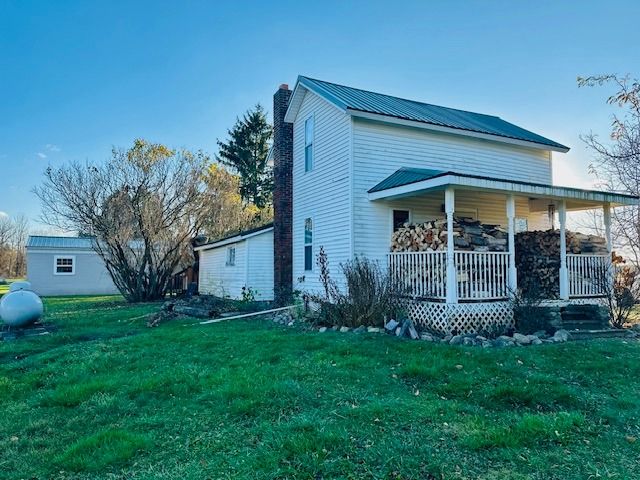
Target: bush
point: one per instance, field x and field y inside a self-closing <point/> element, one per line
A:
<point x="528" y="314"/>
<point x="370" y="294"/>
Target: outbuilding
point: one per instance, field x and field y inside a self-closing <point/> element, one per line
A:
<point x="66" y="266"/>
<point x="239" y="263"/>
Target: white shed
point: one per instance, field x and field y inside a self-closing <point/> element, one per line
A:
<point x="66" y="266"/>
<point x="242" y="260"/>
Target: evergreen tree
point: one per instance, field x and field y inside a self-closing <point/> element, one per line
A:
<point x="246" y="152"/>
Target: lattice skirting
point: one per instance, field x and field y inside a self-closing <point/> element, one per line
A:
<point x="460" y="317"/>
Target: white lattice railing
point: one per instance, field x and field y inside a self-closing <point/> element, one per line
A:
<point x="587" y="274"/>
<point x="420" y="274"/>
<point x="482" y="275"/>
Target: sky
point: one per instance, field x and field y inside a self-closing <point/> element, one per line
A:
<point x="79" y="77"/>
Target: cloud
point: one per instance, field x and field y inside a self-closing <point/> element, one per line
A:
<point x="52" y="148"/>
<point x="42" y="155"/>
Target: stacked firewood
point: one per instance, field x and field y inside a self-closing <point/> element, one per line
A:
<point x="468" y="234"/>
<point x="538" y="258"/>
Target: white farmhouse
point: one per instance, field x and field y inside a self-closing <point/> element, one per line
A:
<point x="66" y="266"/>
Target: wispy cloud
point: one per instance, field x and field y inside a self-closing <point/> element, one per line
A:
<point x="42" y="155"/>
<point x="52" y="148"/>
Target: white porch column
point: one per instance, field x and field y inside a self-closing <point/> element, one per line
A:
<point x="564" y="273"/>
<point x="606" y="218"/>
<point x="511" y="221"/>
<point x="452" y="275"/>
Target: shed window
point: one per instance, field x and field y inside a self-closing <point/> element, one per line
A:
<point x="308" y="244"/>
<point x="64" y="265"/>
<point x="400" y="217"/>
<point x="231" y="256"/>
<point x="308" y="144"/>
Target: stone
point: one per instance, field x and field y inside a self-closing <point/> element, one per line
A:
<point x="468" y="341"/>
<point x="373" y="330"/>
<point x="334" y="328"/>
<point x="427" y="337"/>
<point x="322" y="329"/>
<point x="344" y="329"/>
<point x="290" y="324"/>
<point x="561" y="336"/>
<point x="456" y="340"/>
<point x="540" y="334"/>
<point x="521" y="339"/>
<point x="486" y="344"/>
<point x="503" y="341"/>
<point x="413" y="333"/>
<point x="447" y="338"/>
<point x="398" y="331"/>
<point x="481" y="338"/>
<point x="391" y="325"/>
<point x="536" y="341"/>
<point x="360" y="329"/>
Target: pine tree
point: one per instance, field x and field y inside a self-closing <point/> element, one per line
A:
<point x="246" y="152"/>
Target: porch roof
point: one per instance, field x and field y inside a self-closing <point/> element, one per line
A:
<point x="407" y="182"/>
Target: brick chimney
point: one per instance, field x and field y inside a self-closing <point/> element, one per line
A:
<point x="282" y="197"/>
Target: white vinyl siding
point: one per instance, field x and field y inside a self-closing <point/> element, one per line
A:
<point x="379" y="150"/>
<point x="322" y="194"/>
<point x="252" y="267"/>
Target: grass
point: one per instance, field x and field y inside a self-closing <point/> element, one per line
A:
<point x="106" y="397"/>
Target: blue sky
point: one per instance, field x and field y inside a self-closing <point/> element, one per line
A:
<point x="77" y="77"/>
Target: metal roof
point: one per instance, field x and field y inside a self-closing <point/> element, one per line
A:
<point x="37" y="241"/>
<point x="354" y="99"/>
<point x="235" y="237"/>
<point x="405" y="176"/>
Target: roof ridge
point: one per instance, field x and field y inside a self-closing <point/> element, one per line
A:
<point x="403" y="98"/>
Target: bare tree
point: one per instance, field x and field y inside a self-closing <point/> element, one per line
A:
<point x="620" y="286"/>
<point x="13" y="239"/>
<point x="617" y="162"/>
<point x="142" y="207"/>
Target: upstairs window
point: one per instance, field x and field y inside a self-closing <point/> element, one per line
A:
<point x="308" y="244"/>
<point x="400" y="217"/>
<point x="64" y="265"/>
<point x="231" y="256"/>
<point x="308" y="144"/>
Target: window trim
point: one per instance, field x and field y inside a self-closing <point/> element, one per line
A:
<point x="313" y="143"/>
<point x="61" y="257"/>
<point x="392" y="209"/>
<point x="305" y="244"/>
<point x="228" y="262"/>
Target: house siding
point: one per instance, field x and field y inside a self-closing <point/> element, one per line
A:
<point x="253" y="268"/>
<point x="324" y="193"/>
<point x="91" y="276"/>
<point x="380" y="149"/>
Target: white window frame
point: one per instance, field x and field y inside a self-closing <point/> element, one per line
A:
<point x="230" y="262"/>
<point x="310" y="142"/>
<point x="392" y="209"/>
<point x="61" y="257"/>
<point x="305" y="244"/>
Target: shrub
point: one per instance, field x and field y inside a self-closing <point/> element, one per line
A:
<point x="369" y="296"/>
<point x="528" y="314"/>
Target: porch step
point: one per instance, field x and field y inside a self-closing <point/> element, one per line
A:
<point x="583" y="317"/>
<point x="597" y="333"/>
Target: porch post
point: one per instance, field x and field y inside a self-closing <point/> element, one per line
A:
<point x="511" y="221"/>
<point x="452" y="275"/>
<point x="606" y="217"/>
<point x="564" y="273"/>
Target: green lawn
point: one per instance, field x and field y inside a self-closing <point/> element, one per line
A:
<point x="106" y="397"/>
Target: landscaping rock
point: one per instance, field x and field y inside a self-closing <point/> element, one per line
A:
<point x="344" y="329"/>
<point x="413" y="333"/>
<point x="428" y="337"/>
<point x="360" y="329"/>
<point x="521" y="339"/>
<point x="561" y="336"/>
<point x="486" y="344"/>
<point x="503" y="341"/>
<point x="373" y="330"/>
<point x="322" y="329"/>
<point x="456" y="340"/>
<point x="398" y="331"/>
<point x="536" y="341"/>
<point x="541" y="334"/>
<point x="391" y="325"/>
<point x="334" y="328"/>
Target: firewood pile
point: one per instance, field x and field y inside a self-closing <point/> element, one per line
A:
<point x="468" y="234"/>
<point x="538" y="258"/>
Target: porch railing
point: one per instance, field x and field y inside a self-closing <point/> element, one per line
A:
<point x="420" y="274"/>
<point x="482" y="275"/>
<point x="587" y="274"/>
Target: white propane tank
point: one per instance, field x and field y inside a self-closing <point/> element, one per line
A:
<point x="20" y="308"/>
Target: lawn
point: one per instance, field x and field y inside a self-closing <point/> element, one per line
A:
<point x="106" y="397"/>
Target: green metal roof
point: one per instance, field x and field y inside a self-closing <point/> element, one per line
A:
<point x="40" y="241"/>
<point x="378" y="103"/>
<point x="405" y="176"/>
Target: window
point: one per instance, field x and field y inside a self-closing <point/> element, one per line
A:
<point x="64" y="265"/>
<point x="308" y="244"/>
<point x="400" y="217"/>
<point x="231" y="256"/>
<point x="308" y="144"/>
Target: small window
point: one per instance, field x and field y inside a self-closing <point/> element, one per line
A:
<point x="308" y="244"/>
<point x="308" y="144"/>
<point x="231" y="256"/>
<point x="64" y="265"/>
<point x="400" y="217"/>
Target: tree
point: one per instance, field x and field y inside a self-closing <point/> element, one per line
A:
<point x="617" y="162"/>
<point x="13" y="239"/>
<point x="229" y="213"/>
<point x="142" y="207"/>
<point x="246" y="152"/>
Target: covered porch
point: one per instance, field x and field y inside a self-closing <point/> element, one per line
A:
<point x="452" y="276"/>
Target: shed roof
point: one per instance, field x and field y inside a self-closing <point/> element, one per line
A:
<point x="43" y="241"/>
<point x="236" y="237"/>
<point x="353" y="100"/>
